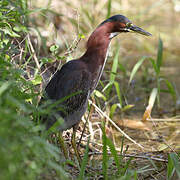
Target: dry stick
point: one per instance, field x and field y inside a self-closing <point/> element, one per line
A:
<point x="132" y="155"/>
<point x="33" y="52"/>
<point x="71" y="49"/>
<point x="114" y="124"/>
<point x="18" y="45"/>
<point x="164" y="120"/>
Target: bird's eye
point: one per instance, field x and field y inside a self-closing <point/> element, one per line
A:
<point x="129" y="24"/>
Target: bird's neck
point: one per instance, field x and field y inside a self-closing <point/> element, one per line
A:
<point x="97" y="52"/>
<point x="97" y="48"/>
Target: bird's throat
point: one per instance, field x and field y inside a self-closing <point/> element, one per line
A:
<point x="96" y="60"/>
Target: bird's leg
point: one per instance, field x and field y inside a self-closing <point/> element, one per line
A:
<point x="74" y="144"/>
<point x="62" y="145"/>
<point x="89" y="115"/>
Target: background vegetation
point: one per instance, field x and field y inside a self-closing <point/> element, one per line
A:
<point x="37" y="37"/>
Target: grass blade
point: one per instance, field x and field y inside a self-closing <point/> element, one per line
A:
<point x="114" y="66"/>
<point x="127" y="165"/>
<point x="100" y="95"/>
<point x="108" y="9"/>
<point x="116" y="84"/>
<point x="84" y="162"/>
<point x="176" y="162"/>
<point x="136" y="67"/>
<point x="170" y="168"/>
<point x="107" y="86"/>
<point x="112" y="110"/>
<point x="113" y="72"/>
<point x="114" y="153"/>
<point x="160" y="54"/>
<point x="122" y="148"/>
<point x="154" y="65"/>
<point x="105" y="155"/>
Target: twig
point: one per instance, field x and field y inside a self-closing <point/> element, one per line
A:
<point x="132" y="155"/>
<point x="33" y="52"/>
<point x="71" y="49"/>
<point x="114" y="124"/>
<point x="164" y="120"/>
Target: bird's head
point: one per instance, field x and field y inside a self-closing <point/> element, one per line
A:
<point x="119" y="23"/>
<point x="110" y="28"/>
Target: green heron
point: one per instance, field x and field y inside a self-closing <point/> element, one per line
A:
<point x="82" y="75"/>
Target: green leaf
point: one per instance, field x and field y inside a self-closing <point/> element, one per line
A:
<point x="37" y="80"/>
<point x="170" y="168"/>
<point x="154" y="65"/>
<point x="136" y="67"/>
<point x="54" y="48"/>
<point x="107" y="86"/>
<point x="116" y="84"/>
<point x="159" y="55"/>
<point x="105" y="155"/>
<point x="99" y="95"/>
<point x="113" y="73"/>
<point x="10" y="32"/>
<point x="82" y="36"/>
<point x="114" y="66"/>
<point x="108" y="9"/>
<point x="176" y="162"/>
<point x="45" y="60"/>
<point x="112" y="110"/>
<point x="125" y="108"/>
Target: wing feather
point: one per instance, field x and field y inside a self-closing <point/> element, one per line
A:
<point x="72" y="84"/>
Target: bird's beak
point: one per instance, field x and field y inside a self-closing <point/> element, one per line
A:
<point x="139" y="30"/>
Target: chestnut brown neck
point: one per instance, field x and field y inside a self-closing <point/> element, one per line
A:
<point x="96" y="53"/>
<point x="97" y="47"/>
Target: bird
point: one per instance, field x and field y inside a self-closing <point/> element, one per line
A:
<point x="72" y="85"/>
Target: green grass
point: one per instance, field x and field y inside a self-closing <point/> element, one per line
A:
<point x="156" y="65"/>
<point x="24" y="153"/>
<point x="173" y="165"/>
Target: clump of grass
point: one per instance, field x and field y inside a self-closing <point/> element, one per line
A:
<point x="156" y="64"/>
<point x="24" y="154"/>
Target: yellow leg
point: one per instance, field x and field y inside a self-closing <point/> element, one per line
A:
<point x="74" y="144"/>
<point x="62" y="145"/>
